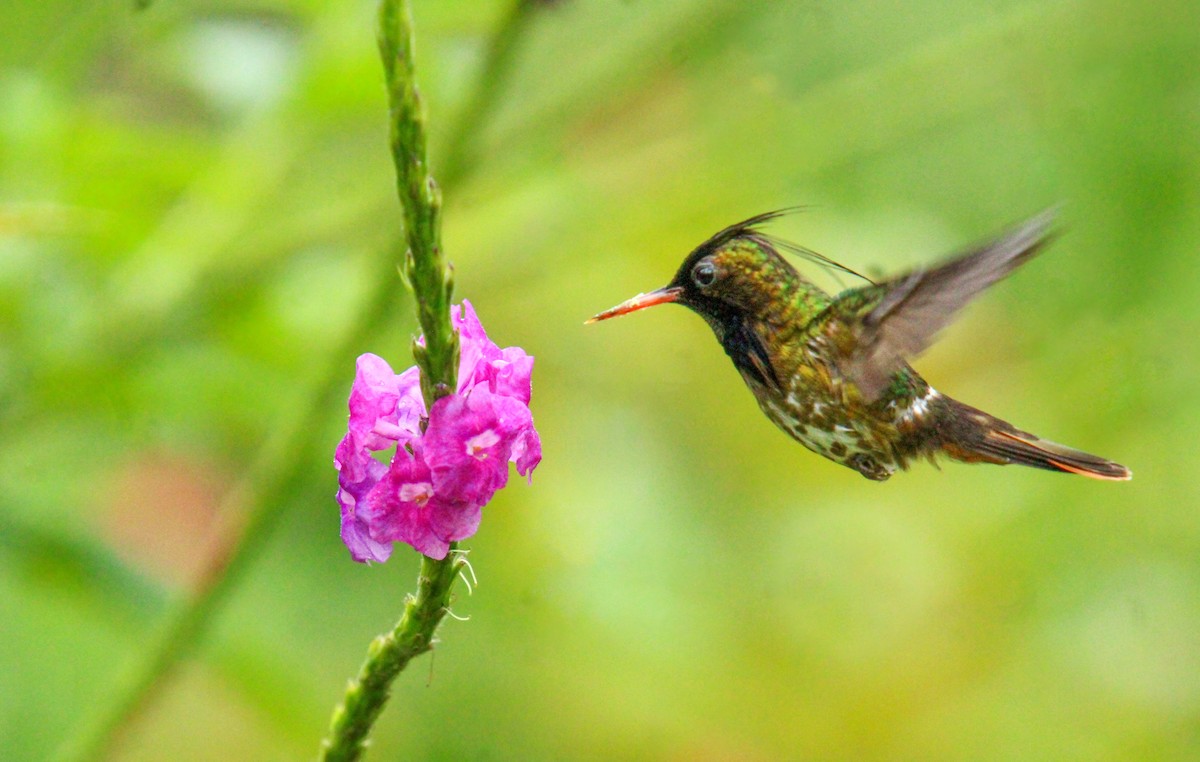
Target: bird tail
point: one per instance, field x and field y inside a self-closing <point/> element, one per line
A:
<point x="973" y="436"/>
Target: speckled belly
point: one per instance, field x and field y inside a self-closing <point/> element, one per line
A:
<point x="858" y="441"/>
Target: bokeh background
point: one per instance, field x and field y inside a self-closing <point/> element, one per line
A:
<point x="196" y="198"/>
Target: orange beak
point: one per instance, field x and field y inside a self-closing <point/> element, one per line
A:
<point x="641" y="301"/>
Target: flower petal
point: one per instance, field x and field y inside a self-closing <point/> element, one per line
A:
<point x="391" y="508"/>
<point x="475" y="348"/>
<point x="468" y="443"/>
<point x="527" y="452"/>
<point x="509" y="374"/>
<point x="454" y="521"/>
<point x="355" y="533"/>
<point x="384" y="407"/>
<point x="402" y="508"/>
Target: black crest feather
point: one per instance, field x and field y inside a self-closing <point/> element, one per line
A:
<point x="750" y="228"/>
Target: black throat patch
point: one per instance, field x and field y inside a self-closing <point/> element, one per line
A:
<point x="746" y="350"/>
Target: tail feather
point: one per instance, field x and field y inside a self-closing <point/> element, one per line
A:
<point x="976" y="436"/>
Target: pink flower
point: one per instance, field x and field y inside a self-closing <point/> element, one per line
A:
<point x="506" y="372"/>
<point x="470" y="443"/>
<point x="357" y="475"/>
<point x="433" y="489"/>
<point x="403" y="507"/>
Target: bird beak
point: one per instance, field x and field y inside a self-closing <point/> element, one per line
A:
<point x="641" y="301"/>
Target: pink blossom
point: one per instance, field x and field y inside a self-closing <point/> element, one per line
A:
<point x="470" y="442"/>
<point x="433" y="489"/>
<point x="507" y="372"/>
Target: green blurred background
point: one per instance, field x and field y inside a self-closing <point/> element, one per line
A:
<point x="195" y="199"/>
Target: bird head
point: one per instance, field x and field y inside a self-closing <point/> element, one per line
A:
<point x="737" y="273"/>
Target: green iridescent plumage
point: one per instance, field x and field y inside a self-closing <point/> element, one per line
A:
<point x="832" y="371"/>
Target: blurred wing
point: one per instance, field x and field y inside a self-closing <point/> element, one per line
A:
<point x="914" y="307"/>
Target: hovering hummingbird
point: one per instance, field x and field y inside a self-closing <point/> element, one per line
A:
<point x="832" y="371"/>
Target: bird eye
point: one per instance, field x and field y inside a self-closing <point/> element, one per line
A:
<point x="704" y="273"/>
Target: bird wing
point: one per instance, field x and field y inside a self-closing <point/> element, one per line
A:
<point x="899" y="318"/>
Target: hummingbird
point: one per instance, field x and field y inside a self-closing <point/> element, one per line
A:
<point x="832" y="371"/>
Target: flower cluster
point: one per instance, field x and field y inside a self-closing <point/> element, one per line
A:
<point x="443" y="472"/>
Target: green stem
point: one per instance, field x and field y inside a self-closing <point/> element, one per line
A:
<point x="388" y="655"/>
<point x="432" y="284"/>
<point x="424" y="266"/>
